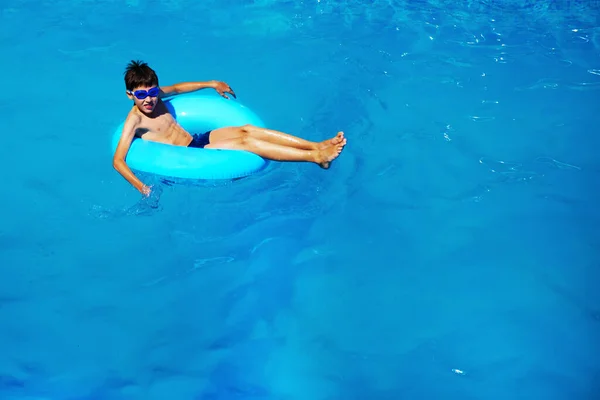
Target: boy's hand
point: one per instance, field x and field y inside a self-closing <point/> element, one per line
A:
<point x="146" y="190"/>
<point x="222" y="88"/>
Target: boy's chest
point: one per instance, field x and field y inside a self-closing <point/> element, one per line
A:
<point x="158" y="125"/>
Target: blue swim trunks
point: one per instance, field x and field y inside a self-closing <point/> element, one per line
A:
<point x="199" y="140"/>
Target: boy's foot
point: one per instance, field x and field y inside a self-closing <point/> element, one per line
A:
<point x="328" y="154"/>
<point x="337" y="139"/>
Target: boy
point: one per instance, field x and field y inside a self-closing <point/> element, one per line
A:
<point x="150" y="119"/>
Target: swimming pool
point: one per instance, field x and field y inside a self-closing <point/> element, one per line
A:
<point x="450" y="252"/>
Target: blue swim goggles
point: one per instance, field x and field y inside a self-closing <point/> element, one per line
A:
<point x="142" y="94"/>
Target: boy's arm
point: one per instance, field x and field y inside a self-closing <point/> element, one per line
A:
<point x="121" y="152"/>
<point x="187" y="87"/>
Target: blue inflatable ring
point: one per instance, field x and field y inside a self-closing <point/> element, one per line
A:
<point x="196" y="113"/>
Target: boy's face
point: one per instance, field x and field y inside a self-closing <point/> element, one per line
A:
<point x="145" y="98"/>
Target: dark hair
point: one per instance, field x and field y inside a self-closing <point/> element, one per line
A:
<point x="138" y="73"/>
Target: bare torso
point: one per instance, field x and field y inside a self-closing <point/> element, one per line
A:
<point x="160" y="127"/>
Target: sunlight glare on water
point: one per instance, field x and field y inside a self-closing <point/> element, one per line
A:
<point x="450" y="252"/>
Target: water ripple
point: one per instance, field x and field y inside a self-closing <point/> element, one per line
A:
<point x="557" y="164"/>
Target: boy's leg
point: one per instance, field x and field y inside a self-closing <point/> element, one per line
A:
<point x="272" y="136"/>
<point x="277" y="152"/>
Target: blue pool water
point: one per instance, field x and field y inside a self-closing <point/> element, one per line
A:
<point x="451" y="252"/>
